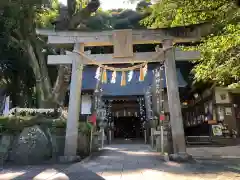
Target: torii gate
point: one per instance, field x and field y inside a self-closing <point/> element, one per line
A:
<point x="123" y="41"/>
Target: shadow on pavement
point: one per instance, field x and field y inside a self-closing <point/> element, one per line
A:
<point x="112" y="159"/>
<point x="47" y="172"/>
<point x="119" y="159"/>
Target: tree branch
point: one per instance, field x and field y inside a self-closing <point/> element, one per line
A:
<point x="84" y="14"/>
<point x="71" y="4"/>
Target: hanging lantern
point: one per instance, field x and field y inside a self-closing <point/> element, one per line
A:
<point x="162" y="117"/>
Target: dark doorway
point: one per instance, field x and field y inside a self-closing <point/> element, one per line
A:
<point x="127" y="128"/>
<point x="236" y="105"/>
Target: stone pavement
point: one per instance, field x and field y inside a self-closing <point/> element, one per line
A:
<point x="127" y="161"/>
<point x="48" y="172"/>
<point x="135" y="161"/>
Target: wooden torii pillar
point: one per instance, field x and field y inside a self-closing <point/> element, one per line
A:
<point x="124" y="54"/>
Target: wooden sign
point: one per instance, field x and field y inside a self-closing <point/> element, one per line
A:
<point x="212" y="122"/>
<point x="101" y="113"/>
<point x="122" y="43"/>
<point x="157" y="132"/>
<point x="228" y="111"/>
<point x="157" y="91"/>
<point x="148" y="103"/>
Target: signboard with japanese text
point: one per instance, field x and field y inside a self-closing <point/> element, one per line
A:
<point x="148" y="104"/>
<point x="101" y="113"/>
<point x="157" y="91"/>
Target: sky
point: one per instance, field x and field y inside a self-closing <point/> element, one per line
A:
<point x="111" y="4"/>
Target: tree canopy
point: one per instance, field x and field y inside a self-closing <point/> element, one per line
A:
<point x="220" y="58"/>
<point x="23" y="52"/>
<point x="22" y="46"/>
<point x="107" y="20"/>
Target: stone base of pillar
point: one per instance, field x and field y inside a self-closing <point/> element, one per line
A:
<point x="68" y="159"/>
<point x="158" y="143"/>
<point x="168" y="144"/>
<point x="181" y="157"/>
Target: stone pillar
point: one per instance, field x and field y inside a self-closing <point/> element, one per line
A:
<point x="176" y="120"/>
<point x="71" y="139"/>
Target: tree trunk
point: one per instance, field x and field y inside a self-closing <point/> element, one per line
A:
<point x="41" y="90"/>
<point x="61" y="85"/>
<point x="47" y="98"/>
<point x="43" y="68"/>
<point x="46" y="95"/>
<point x="55" y="96"/>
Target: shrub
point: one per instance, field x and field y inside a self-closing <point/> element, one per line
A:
<point x="15" y="124"/>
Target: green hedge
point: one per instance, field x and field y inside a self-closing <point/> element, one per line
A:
<point x="18" y="123"/>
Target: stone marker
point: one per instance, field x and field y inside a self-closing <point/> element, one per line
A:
<point x="31" y="146"/>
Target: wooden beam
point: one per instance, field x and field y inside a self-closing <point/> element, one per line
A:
<point x="137" y="58"/>
<point x="148" y="36"/>
<point x="126" y="105"/>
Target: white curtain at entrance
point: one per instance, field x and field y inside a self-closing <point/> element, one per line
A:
<point x="6" y="107"/>
<point x="86" y="104"/>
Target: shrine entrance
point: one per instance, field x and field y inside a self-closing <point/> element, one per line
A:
<point x="236" y="106"/>
<point x="122" y="42"/>
<point x="127" y="118"/>
<point x="128" y="128"/>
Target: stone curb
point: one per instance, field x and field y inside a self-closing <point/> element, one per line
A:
<point x="85" y="160"/>
<point x="166" y="158"/>
<point x="217" y="157"/>
<point x="214" y="157"/>
<point x="162" y="156"/>
<point x="77" y="159"/>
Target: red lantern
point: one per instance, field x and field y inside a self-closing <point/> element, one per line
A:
<point x="162" y="117"/>
<point x="93" y="118"/>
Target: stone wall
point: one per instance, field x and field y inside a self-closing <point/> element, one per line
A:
<point x="37" y="144"/>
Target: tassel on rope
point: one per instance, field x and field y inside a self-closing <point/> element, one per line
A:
<point x="130" y="75"/>
<point x="114" y="75"/>
<point x="141" y="76"/>
<point x="98" y="73"/>
<point x="104" y="76"/>
<point x="123" y="79"/>
<point x="145" y="68"/>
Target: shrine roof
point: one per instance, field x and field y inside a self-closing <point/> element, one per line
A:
<point x="135" y="87"/>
